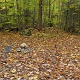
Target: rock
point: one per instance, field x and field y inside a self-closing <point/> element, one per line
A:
<point x="23" y="45"/>
<point x="18" y="49"/>
<point x="25" y="50"/>
<point x="7" y="49"/>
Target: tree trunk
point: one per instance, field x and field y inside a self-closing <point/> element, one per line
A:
<point x="49" y="10"/>
<point x="6" y="10"/>
<point x="33" y="18"/>
<point x="40" y="16"/>
<point x="18" y="18"/>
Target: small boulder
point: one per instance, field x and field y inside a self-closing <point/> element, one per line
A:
<point x="7" y="49"/>
<point x="23" y="45"/>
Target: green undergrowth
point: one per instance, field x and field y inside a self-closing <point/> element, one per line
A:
<point x="48" y="33"/>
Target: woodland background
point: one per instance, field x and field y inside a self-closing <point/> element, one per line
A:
<point x="22" y="15"/>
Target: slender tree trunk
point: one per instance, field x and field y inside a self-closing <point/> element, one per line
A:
<point x="18" y="19"/>
<point x="49" y="9"/>
<point x="6" y="10"/>
<point x="49" y="16"/>
<point x="40" y="16"/>
<point x="33" y="19"/>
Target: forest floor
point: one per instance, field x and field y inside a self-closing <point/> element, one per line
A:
<point x="54" y="57"/>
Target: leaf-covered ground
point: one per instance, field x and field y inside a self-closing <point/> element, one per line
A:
<point x="52" y="58"/>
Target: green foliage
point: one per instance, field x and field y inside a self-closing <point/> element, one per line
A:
<point x="26" y="32"/>
<point x="41" y="35"/>
<point x="77" y="30"/>
<point x="22" y="14"/>
<point x="72" y="17"/>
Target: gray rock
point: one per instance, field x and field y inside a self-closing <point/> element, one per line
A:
<point x="27" y="50"/>
<point x="18" y="49"/>
<point x="23" y="48"/>
<point x="7" y="49"/>
<point x="23" y="45"/>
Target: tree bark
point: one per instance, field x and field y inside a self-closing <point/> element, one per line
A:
<point x="40" y="16"/>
